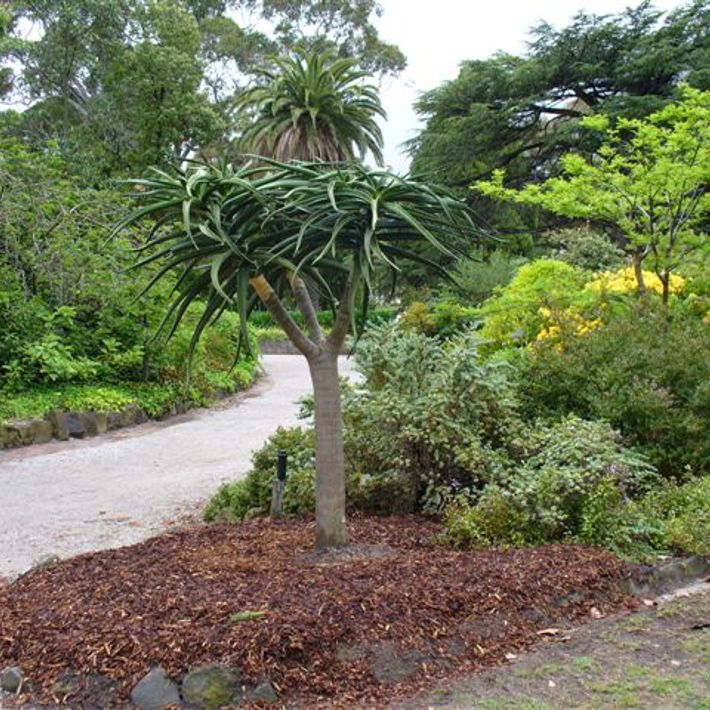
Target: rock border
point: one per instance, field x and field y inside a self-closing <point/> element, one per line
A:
<point x="64" y="425"/>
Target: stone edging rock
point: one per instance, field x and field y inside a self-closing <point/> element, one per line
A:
<point x="207" y="687"/>
<point x="67" y="425"/>
<point x="80" y="425"/>
<point x="655" y="580"/>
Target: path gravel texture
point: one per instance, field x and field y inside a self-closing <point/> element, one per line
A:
<point x="65" y="498"/>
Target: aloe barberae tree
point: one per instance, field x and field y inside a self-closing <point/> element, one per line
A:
<point x="236" y="236"/>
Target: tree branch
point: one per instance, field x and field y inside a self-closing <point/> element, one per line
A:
<point x="342" y="319"/>
<point x="305" y="305"/>
<point x="557" y="111"/>
<point x="281" y="316"/>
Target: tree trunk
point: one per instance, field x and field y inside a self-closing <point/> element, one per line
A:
<point x="638" y="271"/>
<point x="665" y="279"/>
<point x="330" y="461"/>
<point x="322" y="357"/>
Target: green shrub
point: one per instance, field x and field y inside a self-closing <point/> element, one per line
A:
<point x="252" y="495"/>
<point x="566" y="464"/>
<point x="493" y="520"/>
<point x="670" y="520"/>
<point x="417" y="318"/>
<point x="553" y="493"/>
<point x="478" y="277"/>
<point x="683" y="515"/>
<point x="432" y="417"/>
<point x="427" y="421"/>
<point x="442" y="318"/>
<point x="647" y="372"/>
<point x="272" y="332"/>
<point x="514" y="315"/>
<point x="585" y="248"/>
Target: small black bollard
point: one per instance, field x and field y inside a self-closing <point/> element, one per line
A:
<point x="277" y="488"/>
<point x="281" y="465"/>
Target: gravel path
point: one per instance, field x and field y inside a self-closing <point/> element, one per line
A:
<point x="65" y="498"/>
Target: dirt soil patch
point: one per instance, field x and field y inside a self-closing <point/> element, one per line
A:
<point x="658" y="657"/>
<point x="359" y="630"/>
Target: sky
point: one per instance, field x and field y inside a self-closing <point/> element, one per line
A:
<point x="436" y="36"/>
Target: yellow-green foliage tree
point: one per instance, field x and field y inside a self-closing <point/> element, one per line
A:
<point x="649" y="179"/>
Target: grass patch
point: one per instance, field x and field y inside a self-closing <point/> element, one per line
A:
<point x="585" y="664"/>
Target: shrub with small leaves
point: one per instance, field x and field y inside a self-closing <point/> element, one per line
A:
<point x="252" y="494"/>
<point x="551" y="496"/>
<point x="432" y="416"/>
<point x="646" y="372"/>
<point x="585" y="248"/>
<point x="684" y="515"/>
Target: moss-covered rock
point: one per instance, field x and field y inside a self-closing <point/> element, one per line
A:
<point x="209" y="687"/>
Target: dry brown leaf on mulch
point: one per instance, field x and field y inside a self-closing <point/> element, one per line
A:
<point x="347" y="630"/>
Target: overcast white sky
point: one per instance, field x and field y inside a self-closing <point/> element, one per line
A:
<point x="437" y="35"/>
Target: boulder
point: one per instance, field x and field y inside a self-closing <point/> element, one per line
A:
<point x="114" y="420"/>
<point x="8" y="437"/>
<point x="101" y="422"/>
<point x="155" y="691"/>
<point x="21" y="431"/>
<point x="42" y="431"/>
<point x="11" y="679"/>
<point x="211" y="686"/>
<point x="90" y="424"/>
<point x="133" y="414"/>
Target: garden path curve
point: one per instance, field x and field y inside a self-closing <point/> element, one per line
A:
<point x="65" y="498"/>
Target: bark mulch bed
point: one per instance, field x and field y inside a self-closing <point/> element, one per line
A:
<point x="360" y="630"/>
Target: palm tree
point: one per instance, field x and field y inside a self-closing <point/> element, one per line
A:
<point x="238" y="236"/>
<point x="313" y="107"/>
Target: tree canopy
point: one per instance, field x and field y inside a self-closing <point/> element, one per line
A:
<point x="521" y="113"/>
<point x="125" y="84"/>
<point x="649" y="179"/>
<point x="314" y="107"/>
<point x="234" y="235"/>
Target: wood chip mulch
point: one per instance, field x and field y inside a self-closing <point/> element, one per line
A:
<point x="332" y="627"/>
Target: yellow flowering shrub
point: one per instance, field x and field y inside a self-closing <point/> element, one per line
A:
<point x="566" y="322"/>
<point x="624" y="281"/>
<point x="576" y="320"/>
